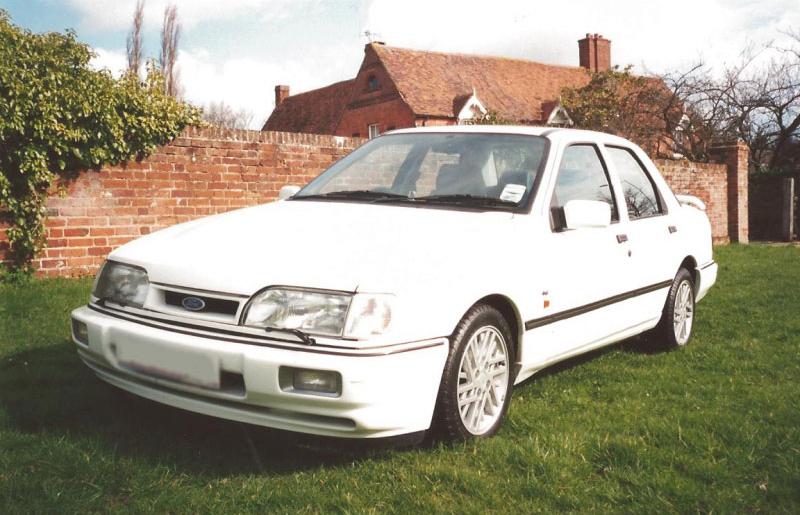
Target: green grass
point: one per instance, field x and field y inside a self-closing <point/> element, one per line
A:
<point x="714" y="427"/>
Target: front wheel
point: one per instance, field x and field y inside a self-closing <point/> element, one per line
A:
<point x="675" y="328"/>
<point x="476" y="382"/>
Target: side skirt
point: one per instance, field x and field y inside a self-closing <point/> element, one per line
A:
<point x="525" y="373"/>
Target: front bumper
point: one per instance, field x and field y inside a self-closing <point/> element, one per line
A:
<point x="384" y="393"/>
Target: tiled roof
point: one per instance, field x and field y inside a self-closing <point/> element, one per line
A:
<point x="316" y="112"/>
<point x="429" y="82"/>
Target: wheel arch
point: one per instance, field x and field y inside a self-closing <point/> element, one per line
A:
<point x="510" y="312"/>
<point x="690" y="264"/>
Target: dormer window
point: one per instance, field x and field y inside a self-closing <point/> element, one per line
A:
<point x="468" y="108"/>
<point x="559" y="117"/>
<point x="372" y="83"/>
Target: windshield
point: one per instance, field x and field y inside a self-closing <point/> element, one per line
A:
<point x="485" y="171"/>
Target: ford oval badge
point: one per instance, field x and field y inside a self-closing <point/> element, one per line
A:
<point x="193" y="303"/>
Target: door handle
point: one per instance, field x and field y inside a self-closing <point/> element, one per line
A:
<point x="622" y="238"/>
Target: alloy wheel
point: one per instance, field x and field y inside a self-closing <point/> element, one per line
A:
<point x="483" y="380"/>
<point x="683" y="313"/>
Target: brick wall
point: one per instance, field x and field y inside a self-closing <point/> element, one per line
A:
<point x="736" y="157"/>
<point x="708" y="182"/>
<point x="207" y="171"/>
<point x="204" y="171"/>
<point x="389" y="115"/>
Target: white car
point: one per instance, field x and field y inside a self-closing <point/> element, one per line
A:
<point x="410" y="286"/>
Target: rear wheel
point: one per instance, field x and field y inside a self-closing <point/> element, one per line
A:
<point x="476" y="382"/>
<point x="675" y="328"/>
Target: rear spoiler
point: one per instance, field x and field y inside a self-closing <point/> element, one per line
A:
<point x="691" y="200"/>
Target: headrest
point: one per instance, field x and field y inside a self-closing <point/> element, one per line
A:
<point x="448" y="175"/>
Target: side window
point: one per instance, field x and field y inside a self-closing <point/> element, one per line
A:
<point x="581" y="176"/>
<point x="637" y="186"/>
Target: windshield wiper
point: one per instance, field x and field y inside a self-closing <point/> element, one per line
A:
<point x="352" y="194"/>
<point x="308" y="340"/>
<point x="467" y="199"/>
<point x="379" y="196"/>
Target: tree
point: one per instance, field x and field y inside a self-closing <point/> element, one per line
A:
<point x="756" y="100"/>
<point x="59" y="116"/>
<point x="491" y="117"/>
<point x="223" y="115"/>
<point x="170" y="36"/>
<point x="134" y="42"/>
<point x="616" y="101"/>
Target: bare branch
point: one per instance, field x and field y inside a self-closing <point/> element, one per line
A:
<point x="134" y="41"/>
<point x="223" y="115"/>
<point x="170" y="36"/>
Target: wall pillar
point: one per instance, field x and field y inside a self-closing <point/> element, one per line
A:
<point x="735" y="156"/>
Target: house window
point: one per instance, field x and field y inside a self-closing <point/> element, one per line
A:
<point x="372" y="83"/>
<point x="373" y="130"/>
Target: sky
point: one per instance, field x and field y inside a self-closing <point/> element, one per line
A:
<point x="236" y="51"/>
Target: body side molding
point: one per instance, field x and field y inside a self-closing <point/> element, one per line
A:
<point x="569" y="313"/>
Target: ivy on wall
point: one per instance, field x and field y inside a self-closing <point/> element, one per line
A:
<point x="59" y="116"/>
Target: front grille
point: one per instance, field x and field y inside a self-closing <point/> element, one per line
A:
<point x="212" y="304"/>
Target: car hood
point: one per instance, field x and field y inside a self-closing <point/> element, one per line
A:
<point x="319" y="244"/>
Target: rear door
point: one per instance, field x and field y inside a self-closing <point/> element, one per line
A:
<point x="649" y="228"/>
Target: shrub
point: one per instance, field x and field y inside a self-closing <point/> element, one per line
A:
<point x="59" y="116"/>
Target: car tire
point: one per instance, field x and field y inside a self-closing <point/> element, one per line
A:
<point x="674" y="330"/>
<point x="477" y="379"/>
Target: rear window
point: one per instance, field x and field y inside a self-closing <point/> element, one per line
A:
<point x="638" y="188"/>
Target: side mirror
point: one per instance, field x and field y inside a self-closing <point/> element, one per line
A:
<point x="580" y="214"/>
<point x="288" y="191"/>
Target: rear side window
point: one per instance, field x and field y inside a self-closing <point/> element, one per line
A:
<point x="582" y="175"/>
<point x="638" y="188"/>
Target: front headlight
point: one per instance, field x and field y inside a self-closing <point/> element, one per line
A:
<point x="319" y="312"/>
<point x="122" y="284"/>
<point x="309" y="311"/>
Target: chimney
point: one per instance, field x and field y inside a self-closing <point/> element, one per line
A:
<point x="281" y="92"/>
<point x="594" y="52"/>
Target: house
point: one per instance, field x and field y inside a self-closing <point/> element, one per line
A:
<point x="398" y="87"/>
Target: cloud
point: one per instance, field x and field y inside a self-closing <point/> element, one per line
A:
<point x="248" y="83"/>
<point x="117" y="14"/>
<point x="238" y="50"/>
<point x="243" y="83"/>
<point x="653" y="35"/>
<point x="111" y="60"/>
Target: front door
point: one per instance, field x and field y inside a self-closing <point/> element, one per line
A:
<point x="586" y="269"/>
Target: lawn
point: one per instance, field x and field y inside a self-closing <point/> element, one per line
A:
<point x="713" y="427"/>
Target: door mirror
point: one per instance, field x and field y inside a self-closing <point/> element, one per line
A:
<point x="579" y="214"/>
<point x="288" y="191"/>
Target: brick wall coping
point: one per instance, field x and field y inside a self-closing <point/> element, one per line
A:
<point x="190" y="135"/>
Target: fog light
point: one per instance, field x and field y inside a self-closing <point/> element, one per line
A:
<point x="318" y="382"/>
<point x="80" y="331"/>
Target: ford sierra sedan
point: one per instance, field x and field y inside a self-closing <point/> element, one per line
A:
<point x="407" y="288"/>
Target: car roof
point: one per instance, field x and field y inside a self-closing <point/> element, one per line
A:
<point x="552" y="133"/>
